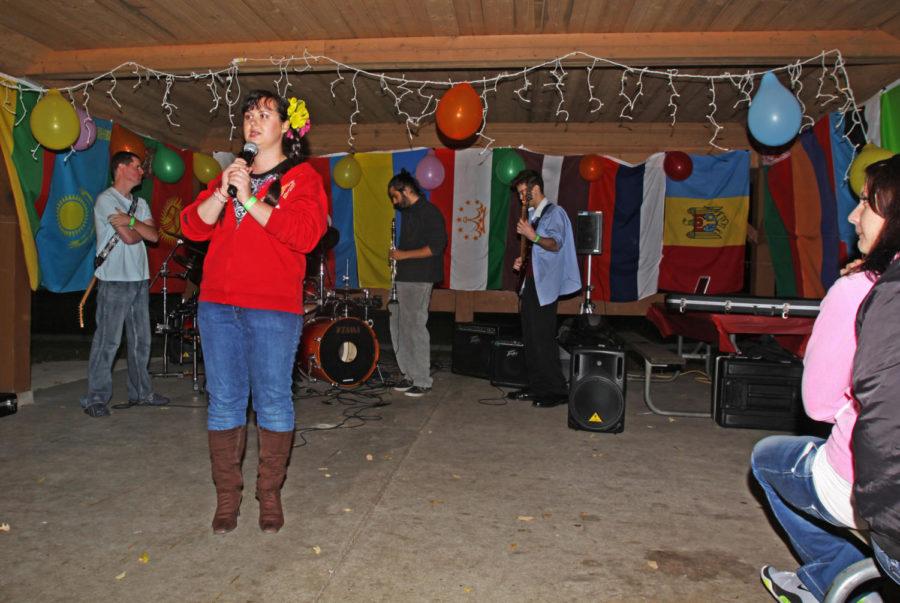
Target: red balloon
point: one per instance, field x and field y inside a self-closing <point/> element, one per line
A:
<point x="123" y="139"/>
<point x="591" y="167"/>
<point x="678" y="165"/>
<point x="459" y="112"/>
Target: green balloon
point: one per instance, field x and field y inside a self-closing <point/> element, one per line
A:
<point x="167" y="165"/>
<point x="507" y="165"/>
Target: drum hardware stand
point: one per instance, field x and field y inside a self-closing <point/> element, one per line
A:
<point x="587" y="306"/>
<point x="164" y="329"/>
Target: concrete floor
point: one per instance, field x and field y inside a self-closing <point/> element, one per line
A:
<point x="442" y="498"/>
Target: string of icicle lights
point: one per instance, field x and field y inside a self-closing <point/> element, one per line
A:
<point x="225" y="89"/>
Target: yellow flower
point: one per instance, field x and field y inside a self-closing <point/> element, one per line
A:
<point x="297" y="113"/>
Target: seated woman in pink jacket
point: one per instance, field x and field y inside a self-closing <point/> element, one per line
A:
<point x="809" y="481"/>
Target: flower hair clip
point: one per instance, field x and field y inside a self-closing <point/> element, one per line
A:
<point x="298" y="115"/>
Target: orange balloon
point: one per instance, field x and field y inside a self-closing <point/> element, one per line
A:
<point x="123" y="139"/>
<point x="590" y="167"/>
<point x="459" y="112"/>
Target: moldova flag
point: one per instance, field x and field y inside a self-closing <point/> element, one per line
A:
<point x="706" y="224"/>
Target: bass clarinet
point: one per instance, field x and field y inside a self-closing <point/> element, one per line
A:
<point x="393" y="263"/>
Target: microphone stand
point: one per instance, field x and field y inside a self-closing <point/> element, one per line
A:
<point x="164" y="328"/>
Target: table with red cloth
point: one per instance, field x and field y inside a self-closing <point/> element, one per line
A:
<point x="792" y="332"/>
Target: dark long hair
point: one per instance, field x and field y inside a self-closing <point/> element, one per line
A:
<point x="883" y="180"/>
<point x="295" y="148"/>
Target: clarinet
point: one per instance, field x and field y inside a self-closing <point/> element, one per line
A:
<point x="393" y="263"/>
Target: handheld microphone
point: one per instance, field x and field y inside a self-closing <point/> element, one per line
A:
<point x="248" y="154"/>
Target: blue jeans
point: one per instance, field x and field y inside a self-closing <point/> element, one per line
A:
<point x="244" y="351"/>
<point x="120" y="304"/>
<point x="783" y="467"/>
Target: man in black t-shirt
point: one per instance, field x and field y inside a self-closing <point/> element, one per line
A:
<point x="420" y="264"/>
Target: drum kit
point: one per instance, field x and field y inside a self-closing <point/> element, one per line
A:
<point x="338" y="345"/>
<point x="181" y="337"/>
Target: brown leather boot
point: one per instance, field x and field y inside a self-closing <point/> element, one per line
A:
<point x="274" y="453"/>
<point x="226" y="452"/>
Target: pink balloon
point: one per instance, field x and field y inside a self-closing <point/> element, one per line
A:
<point x="430" y="171"/>
<point x="88" y="133"/>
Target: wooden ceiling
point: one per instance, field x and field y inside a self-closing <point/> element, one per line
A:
<point x="56" y="43"/>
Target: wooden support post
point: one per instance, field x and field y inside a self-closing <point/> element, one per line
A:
<point x="15" y="299"/>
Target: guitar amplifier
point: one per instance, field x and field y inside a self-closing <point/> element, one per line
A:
<point x="472" y="348"/>
<point x="508" y="363"/>
<point x="757" y="393"/>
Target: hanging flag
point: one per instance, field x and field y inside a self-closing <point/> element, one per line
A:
<point x="470" y="242"/>
<point x="631" y="199"/>
<point x="706" y="224"/>
<point x="890" y="119"/>
<point x="66" y="240"/>
<point x="806" y="202"/>
<point x="26" y="171"/>
<point x="166" y="202"/>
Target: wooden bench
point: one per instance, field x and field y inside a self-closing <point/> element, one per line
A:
<point x="655" y="355"/>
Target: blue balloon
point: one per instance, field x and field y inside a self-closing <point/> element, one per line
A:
<point x="774" y="117"/>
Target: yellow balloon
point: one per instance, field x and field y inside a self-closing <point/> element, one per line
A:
<point x="869" y="155"/>
<point x="347" y="172"/>
<point x="54" y="122"/>
<point x="205" y="167"/>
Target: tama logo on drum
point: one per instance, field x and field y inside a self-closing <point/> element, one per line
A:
<point x="347" y="329"/>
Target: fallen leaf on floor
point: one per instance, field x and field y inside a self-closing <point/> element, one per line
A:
<point x="369" y="457"/>
<point x="4" y="527"/>
<point x="120" y="576"/>
<point x="144" y="558"/>
<point x="348" y="510"/>
<point x="323" y="468"/>
<point x="327" y="475"/>
<point x="455" y="476"/>
<point x="467" y="589"/>
<point x="40" y="480"/>
<point x="388" y="457"/>
<point x="435" y="502"/>
<point x="546" y="514"/>
<point x="317" y="550"/>
<point x="651" y="426"/>
<point x="525" y="518"/>
<point x="513" y="546"/>
<point x="653" y="564"/>
<point x="671" y="419"/>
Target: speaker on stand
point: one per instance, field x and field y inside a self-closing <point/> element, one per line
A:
<point x="597" y="389"/>
<point x="588" y="241"/>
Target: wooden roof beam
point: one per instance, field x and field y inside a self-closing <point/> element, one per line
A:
<point x="497" y="51"/>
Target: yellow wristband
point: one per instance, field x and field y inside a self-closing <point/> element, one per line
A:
<point x="131" y="223"/>
<point x="250" y="202"/>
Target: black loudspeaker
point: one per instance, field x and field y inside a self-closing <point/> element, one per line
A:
<point x="588" y="229"/>
<point x="472" y="348"/>
<point x="757" y="393"/>
<point x="508" y="363"/>
<point x="597" y="389"/>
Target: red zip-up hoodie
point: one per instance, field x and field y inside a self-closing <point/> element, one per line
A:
<point x="259" y="267"/>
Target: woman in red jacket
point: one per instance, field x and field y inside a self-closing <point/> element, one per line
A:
<point x="250" y="311"/>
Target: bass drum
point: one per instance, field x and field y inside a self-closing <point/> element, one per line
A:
<point x="342" y="351"/>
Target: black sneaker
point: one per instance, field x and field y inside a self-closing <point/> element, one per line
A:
<point x="152" y="400"/>
<point x="786" y="587"/>
<point x="97" y="410"/>
<point x="404" y="385"/>
<point x="417" y="392"/>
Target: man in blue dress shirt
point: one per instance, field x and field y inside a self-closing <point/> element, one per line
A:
<point x="551" y="270"/>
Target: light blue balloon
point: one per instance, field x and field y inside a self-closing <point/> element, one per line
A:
<point x="774" y="117"/>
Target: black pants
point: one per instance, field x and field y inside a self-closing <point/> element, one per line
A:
<point x="545" y="377"/>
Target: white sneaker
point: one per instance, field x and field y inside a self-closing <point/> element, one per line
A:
<point x="403" y="385"/>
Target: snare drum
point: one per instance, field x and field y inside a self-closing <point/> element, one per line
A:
<point x="342" y="351"/>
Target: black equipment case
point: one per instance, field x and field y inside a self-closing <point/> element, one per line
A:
<point x="757" y="393"/>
